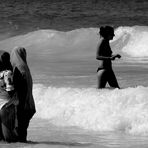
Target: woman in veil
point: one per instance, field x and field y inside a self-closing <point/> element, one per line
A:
<point x="23" y="85"/>
<point x="8" y="104"/>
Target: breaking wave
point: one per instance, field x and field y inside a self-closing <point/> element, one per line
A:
<point x="131" y="42"/>
<point x="99" y="110"/>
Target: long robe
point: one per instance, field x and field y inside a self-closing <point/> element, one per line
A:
<point x="23" y="85"/>
<point x="8" y="105"/>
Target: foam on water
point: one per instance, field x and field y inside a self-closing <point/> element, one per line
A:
<point x="132" y="41"/>
<point x="99" y="110"/>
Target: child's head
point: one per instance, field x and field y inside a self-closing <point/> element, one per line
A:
<point x="7" y="77"/>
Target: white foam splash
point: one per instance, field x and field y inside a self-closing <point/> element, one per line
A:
<point x="100" y="110"/>
<point x="137" y="40"/>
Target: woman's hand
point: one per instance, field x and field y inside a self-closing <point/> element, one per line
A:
<point x="118" y="56"/>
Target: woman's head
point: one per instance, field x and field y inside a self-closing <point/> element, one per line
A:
<point x="18" y="56"/>
<point x="107" y="32"/>
<point x="5" y="61"/>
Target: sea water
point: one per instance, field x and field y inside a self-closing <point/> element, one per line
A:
<point x="71" y="111"/>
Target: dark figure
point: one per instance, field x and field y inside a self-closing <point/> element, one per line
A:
<point x="8" y="103"/>
<point x="5" y="61"/>
<point x="104" y="55"/>
<point x="23" y="85"/>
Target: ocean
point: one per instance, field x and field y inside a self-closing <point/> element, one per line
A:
<point x="61" y="37"/>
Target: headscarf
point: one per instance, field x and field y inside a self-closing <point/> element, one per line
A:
<point x="5" y="61"/>
<point x="18" y="60"/>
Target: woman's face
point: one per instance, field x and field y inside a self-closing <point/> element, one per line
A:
<point x="111" y="36"/>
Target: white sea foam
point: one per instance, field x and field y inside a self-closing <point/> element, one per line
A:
<point x="134" y="40"/>
<point x="99" y="110"/>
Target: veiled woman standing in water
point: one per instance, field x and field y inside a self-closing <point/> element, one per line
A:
<point x="8" y="101"/>
<point x="23" y="85"/>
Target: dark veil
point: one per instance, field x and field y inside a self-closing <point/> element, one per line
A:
<point x="5" y="61"/>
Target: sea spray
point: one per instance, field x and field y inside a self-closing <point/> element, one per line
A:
<point x="99" y="110"/>
<point x="132" y="41"/>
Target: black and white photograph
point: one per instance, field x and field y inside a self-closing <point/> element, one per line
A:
<point x="73" y="74"/>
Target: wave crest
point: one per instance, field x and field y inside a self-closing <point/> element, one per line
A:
<point x="130" y="42"/>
